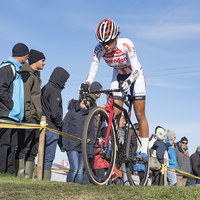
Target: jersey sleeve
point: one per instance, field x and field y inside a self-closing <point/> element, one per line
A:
<point x="135" y="65"/>
<point x="95" y="64"/>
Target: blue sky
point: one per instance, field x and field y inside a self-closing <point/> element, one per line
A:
<point x="166" y="35"/>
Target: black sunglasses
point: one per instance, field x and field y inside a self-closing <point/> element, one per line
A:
<point x="184" y="142"/>
<point x="107" y="43"/>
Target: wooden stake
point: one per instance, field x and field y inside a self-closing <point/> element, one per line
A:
<point x="41" y="149"/>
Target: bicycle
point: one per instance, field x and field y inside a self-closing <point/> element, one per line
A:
<point x="109" y="147"/>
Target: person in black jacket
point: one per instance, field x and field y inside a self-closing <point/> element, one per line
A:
<point x="11" y="104"/>
<point x="52" y="108"/>
<point x="73" y="125"/>
<point x="195" y="166"/>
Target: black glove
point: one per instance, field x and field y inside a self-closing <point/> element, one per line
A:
<point x="84" y="87"/>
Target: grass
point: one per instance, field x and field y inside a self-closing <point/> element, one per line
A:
<point x="17" y="188"/>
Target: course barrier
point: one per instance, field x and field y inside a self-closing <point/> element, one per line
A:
<point x="11" y="124"/>
<point x="43" y="125"/>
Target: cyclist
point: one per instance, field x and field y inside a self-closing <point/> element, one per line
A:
<point x="119" y="53"/>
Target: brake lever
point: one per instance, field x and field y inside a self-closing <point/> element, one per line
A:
<point x="120" y="86"/>
<point x="85" y="99"/>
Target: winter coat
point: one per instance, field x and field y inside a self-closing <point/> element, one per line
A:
<point x="32" y="83"/>
<point x="73" y="125"/>
<point x="99" y="163"/>
<point x="159" y="151"/>
<point x="195" y="165"/>
<point x="11" y="91"/>
<point x="183" y="159"/>
<point x="172" y="155"/>
<point x="52" y="100"/>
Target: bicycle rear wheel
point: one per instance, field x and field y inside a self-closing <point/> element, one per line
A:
<point x="137" y="168"/>
<point x="95" y="149"/>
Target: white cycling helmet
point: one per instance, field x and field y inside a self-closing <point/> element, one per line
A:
<point x="107" y="30"/>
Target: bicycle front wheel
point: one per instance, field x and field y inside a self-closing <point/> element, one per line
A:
<point x="97" y="155"/>
<point x="137" y="167"/>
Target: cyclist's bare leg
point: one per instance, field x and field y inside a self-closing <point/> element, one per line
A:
<point x="118" y="112"/>
<point x="139" y="108"/>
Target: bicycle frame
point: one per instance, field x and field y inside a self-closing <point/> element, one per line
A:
<point x="110" y="148"/>
<point x="109" y="108"/>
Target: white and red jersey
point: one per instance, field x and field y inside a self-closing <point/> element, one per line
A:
<point x="123" y="59"/>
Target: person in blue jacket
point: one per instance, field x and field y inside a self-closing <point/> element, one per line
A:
<point x="171" y="176"/>
<point x="11" y="104"/>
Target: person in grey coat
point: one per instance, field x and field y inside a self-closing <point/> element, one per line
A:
<point x="183" y="160"/>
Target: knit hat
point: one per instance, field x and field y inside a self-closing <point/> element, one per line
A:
<point x="95" y="86"/>
<point x="34" y="56"/>
<point x="171" y="134"/>
<point x="19" y="50"/>
<point x="184" y="139"/>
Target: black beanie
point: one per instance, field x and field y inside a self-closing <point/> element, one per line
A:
<point x="184" y="139"/>
<point x="19" y="50"/>
<point x="34" y="56"/>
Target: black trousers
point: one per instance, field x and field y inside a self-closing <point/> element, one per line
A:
<point x="157" y="178"/>
<point x="28" y="140"/>
<point x="8" y="143"/>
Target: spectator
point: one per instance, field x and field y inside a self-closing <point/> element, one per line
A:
<point x="11" y="104"/>
<point x="73" y="125"/>
<point x="195" y="167"/>
<point x="158" y="151"/>
<point x="52" y="108"/>
<point x="28" y="139"/>
<point x="100" y="165"/>
<point x="171" y="176"/>
<point x="183" y="160"/>
<point x="94" y="87"/>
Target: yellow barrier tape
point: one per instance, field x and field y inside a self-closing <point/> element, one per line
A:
<point x="177" y="171"/>
<point x="163" y="169"/>
<point x="11" y="124"/>
<point x="65" y="134"/>
<point x="64" y="170"/>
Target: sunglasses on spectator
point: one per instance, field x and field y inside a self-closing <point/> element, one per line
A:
<point x="184" y="142"/>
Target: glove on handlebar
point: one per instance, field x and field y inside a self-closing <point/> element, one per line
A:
<point x="84" y="87"/>
<point x="125" y="85"/>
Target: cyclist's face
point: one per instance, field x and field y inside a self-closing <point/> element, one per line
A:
<point x="109" y="46"/>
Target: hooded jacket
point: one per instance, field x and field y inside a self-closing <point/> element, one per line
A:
<point x="11" y="91"/>
<point x="32" y="83"/>
<point x="51" y="98"/>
